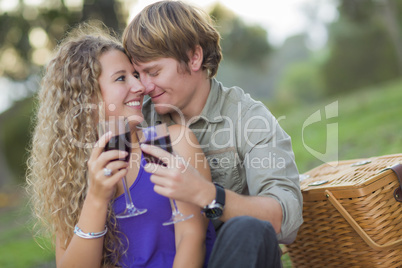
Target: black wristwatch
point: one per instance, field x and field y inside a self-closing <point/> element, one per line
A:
<point x="214" y="210"/>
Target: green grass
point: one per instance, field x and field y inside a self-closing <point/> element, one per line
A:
<point x="368" y="122"/>
<point x="17" y="246"/>
<point x="24" y="253"/>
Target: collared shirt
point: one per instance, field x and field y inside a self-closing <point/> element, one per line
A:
<point x="247" y="150"/>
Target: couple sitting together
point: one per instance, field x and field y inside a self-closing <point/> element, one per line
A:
<point x="235" y="173"/>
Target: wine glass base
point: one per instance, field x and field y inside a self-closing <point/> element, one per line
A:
<point x="177" y="218"/>
<point x="131" y="213"/>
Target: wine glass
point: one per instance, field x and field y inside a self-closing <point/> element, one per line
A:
<point x="121" y="140"/>
<point x="159" y="136"/>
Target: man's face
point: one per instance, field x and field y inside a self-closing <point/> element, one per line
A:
<point x="169" y="85"/>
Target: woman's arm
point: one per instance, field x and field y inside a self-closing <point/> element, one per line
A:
<point x="81" y="252"/>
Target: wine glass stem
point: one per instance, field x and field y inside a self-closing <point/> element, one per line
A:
<point x="174" y="206"/>
<point x="127" y="195"/>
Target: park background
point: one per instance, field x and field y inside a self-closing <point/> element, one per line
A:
<point x="348" y="66"/>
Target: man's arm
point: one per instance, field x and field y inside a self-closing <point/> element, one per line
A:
<point x="260" y="207"/>
<point x="271" y="171"/>
<point x="274" y="191"/>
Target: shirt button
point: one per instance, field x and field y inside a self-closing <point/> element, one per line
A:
<point x="215" y="162"/>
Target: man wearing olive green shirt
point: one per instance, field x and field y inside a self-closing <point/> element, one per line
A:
<point x="176" y="52"/>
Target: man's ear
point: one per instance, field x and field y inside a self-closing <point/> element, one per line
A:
<point x="196" y="58"/>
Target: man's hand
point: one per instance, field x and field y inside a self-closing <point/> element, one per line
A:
<point x="178" y="180"/>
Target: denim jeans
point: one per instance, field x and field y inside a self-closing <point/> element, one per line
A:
<point x="246" y="242"/>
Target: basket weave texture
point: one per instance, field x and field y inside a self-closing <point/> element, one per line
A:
<point x="350" y="195"/>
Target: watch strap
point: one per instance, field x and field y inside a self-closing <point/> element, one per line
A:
<point x="220" y="194"/>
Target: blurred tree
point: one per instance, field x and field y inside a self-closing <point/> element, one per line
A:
<point x="245" y="44"/>
<point x="287" y="69"/>
<point x="389" y="11"/>
<point x="301" y="83"/>
<point x="15" y="136"/>
<point x="28" y="33"/>
<point x="246" y="53"/>
<point x="364" y="48"/>
<point x="386" y="11"/>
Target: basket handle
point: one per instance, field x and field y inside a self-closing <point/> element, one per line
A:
<point x="398" y="191"/>
<point x="357" y="227"/>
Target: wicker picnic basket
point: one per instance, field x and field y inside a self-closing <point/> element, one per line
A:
<point x="352" y="215"/>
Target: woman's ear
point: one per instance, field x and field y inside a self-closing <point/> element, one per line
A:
<point x="196" y="57"/>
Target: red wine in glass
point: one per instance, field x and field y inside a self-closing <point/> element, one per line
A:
<point x="161" y="142"/>
<point x="159" y="136"/>
<point x="121" y="140"/>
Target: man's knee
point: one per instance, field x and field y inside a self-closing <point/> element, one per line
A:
<point x="246" y="242"/>
<point x="250" y="225"/>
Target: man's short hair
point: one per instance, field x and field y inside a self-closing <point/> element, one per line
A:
<point x="171" y="29"/>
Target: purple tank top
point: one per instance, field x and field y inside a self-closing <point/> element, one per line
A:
<point x="150" y="243"/>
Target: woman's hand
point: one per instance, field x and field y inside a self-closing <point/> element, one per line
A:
<point x="102" y="187"/>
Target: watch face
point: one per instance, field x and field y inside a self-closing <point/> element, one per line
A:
<point x="214" y="213"/>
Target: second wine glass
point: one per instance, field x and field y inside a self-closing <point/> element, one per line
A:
<point x="159" y="136"/>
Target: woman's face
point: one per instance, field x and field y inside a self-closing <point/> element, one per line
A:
<point x="122" y="92"/>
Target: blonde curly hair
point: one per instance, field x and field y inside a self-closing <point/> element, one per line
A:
<point x="66" y="129"/>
